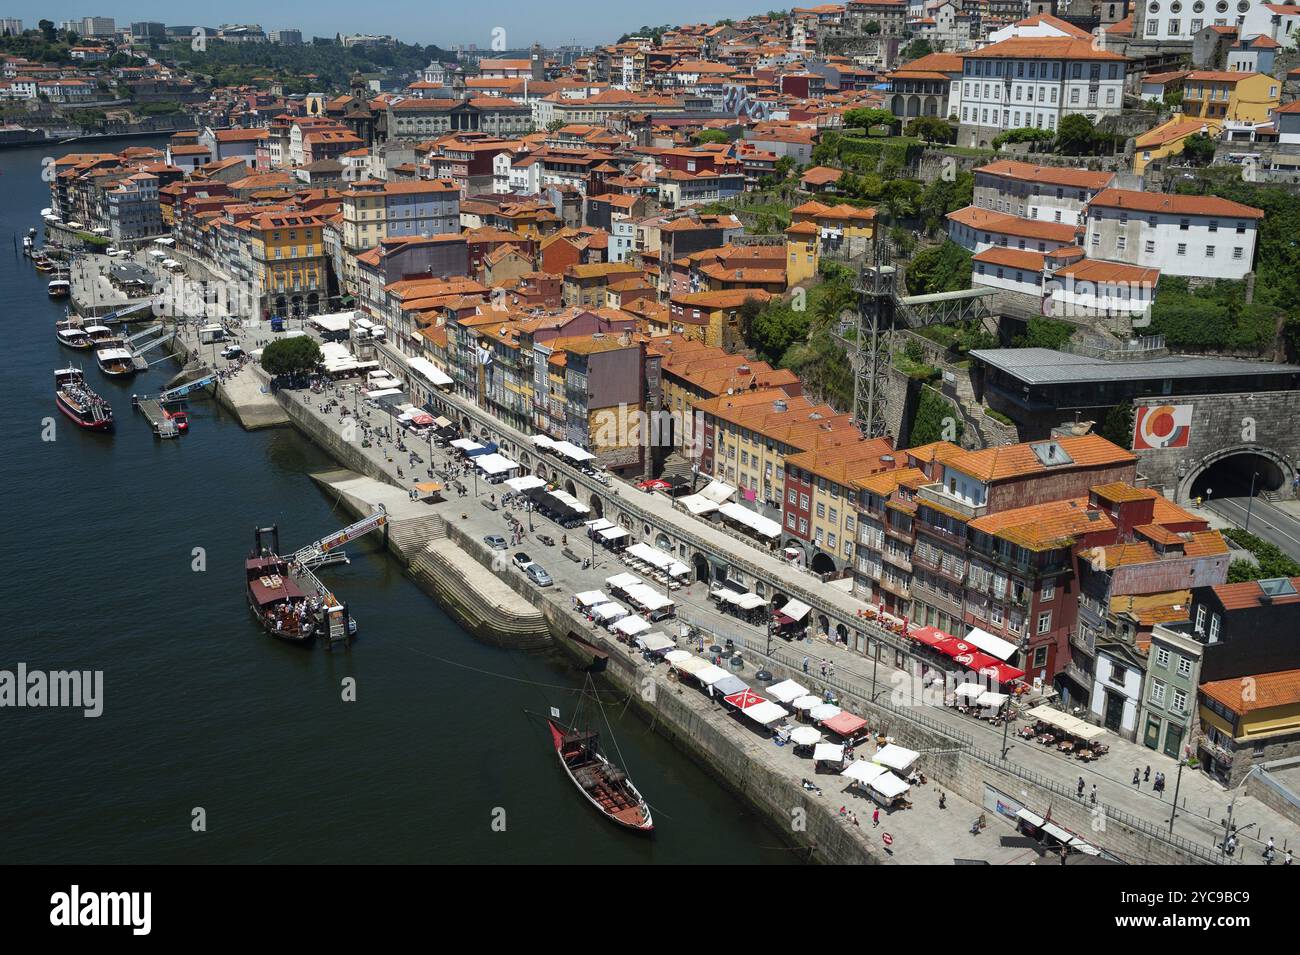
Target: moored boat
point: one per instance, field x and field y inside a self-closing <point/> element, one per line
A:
<point x="604" y="785"/>
<point x="114" y="359"/>
<point x="59" y="288"/>
<point x="71" y="334"/>
<point x="286" y="600"/>
<point x="79" y="402"/>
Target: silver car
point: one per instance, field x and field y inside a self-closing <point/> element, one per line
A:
<point x="538" y="576"/>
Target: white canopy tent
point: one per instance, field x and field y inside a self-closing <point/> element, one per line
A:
<point x="765" y="712"/>
<point x="647" y="597"/>
<point x="339" y="322"/>
<point x="968" y="691"/>
<point x="991" y="700"/>
<point x="571" y="451"/>
<point x="805" y="736"/>
<point x="493" y="464"/>
<point x="860" y="771"/>
<point x="888" y="786"/>
<point x="718" y="492"/>
<point x="608" y="612"/>
<point x="824" y="711"/>
<point x="656" y="642"/>
<point x="807" y="702"/>
<point x="566" y="498"/>
<point x="679" y="656"/>
<point x="622" y="581"/>
<point x="542" y="441"/>
<point x="612" y="533"/>
<point x="830" y="752"/>
<point x="429" y="371"/>
<point x="994" y="646"/>
<point x="1066" y="723"/>
<point x="787" y="691"/>
<point x="630" y="626"/>
<point x="796" y="610"/>
<point x="525" y="482"/>
<point x="696" y="505"/>
<point x="896" y="757"/>
<point x="711" y="674"/>
<point x="763" y="526"/>
<point x="466" y="444"/>
<point x="694" y="666"/>
<point x="589" y="598"/>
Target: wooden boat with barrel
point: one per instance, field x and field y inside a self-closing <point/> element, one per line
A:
<point x="604" y="785"/>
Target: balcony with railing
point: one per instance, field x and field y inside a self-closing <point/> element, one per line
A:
<point x="898" y="558"/>
<point x="895" y="585"/>
<point x="937" y="494"/>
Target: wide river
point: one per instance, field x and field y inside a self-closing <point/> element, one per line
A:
<point x="203" y="711"/>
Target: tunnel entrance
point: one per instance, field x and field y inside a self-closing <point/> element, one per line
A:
<point x="1231" y="476"/>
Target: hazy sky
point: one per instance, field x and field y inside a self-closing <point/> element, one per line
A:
<point x="551" y="22"/>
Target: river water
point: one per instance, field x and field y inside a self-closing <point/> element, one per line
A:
<point x="203" y="711"/>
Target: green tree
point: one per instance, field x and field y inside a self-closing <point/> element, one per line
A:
<point x="290" y="357"/>
<point x="1117" y="426"/>
<point x="935" y="420"/>
<point x="942" y="196"/>
<point x="47" y="30"/>
<point x="872" y="28"/>
<point x="867" y="117"/>
<point x="1044" y="333"/>
<point x="915" y="50"/>
<point x="706" y="136"/>
<point x="1270" y="560"/>
<point x="1198" y="149"/>
<point x="1076" y="136"/>
<point x="940" y="268"/>
<point x="931" y="129"/>
<point x="784" y="166"/>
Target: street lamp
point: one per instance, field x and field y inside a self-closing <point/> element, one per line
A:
<point x="1250" y="500"/>
<point x="1177" y="784"/>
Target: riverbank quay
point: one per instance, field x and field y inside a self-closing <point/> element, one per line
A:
<point x="465" y="576"/>
<point x="1135" y="821"/>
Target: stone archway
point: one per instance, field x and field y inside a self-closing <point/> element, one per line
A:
<point x="701" y="565"/>
<point x="1285" y="470"/>
<point x="596" y="504"/>
<point x="570" y="487"/>
<point x="663" y="542"/>
<point x="823" y="624"/>
<point x="822" y="563"/>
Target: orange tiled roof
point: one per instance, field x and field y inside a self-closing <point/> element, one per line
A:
<point x="1045" y="526"/>
<point x="1017" y="460"/>
<point x="1267" y="690"/>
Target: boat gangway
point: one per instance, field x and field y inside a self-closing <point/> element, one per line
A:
<point x="327" y="550"/>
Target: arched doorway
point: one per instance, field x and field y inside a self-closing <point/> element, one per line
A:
<point x="663" y="543"/>
<point x="570" y="487"/>
<point x="1229" y="472"/>
<point x="842" y="634"/>
<point x="823" y="624"/>
<point x="597" y="505"/>
<point x="801" y="549"/>
<point x="822" y="563"/>
<point x="701" y="568"/>
<point x="313" y="303"/>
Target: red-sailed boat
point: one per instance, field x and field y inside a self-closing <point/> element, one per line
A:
<point x="76" y="400"/>
<point x="601" y="783"/>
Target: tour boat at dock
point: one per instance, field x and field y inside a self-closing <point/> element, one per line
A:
<point x="71" y="334"/>
<point x="59" y="288"/>
<point x="114" y="359"/>
<point x="76" y="400"/>
<point x="601" y="783"/>
<point x="287" y="600"/>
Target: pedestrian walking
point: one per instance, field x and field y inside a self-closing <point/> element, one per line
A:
<point x="875" y="818"/>
<point x="1287" y="860"/>
<point x="1146" y="775"/>
<point x="805" y="664"/>
<point x="1092" y="796"/>
<point x="1080" y="789"/>
<point x="943" y="800"/>
<point x="1137" y="778"/>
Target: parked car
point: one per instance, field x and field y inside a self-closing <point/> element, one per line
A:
<point x="538" y="576"/>
<point x="231" y="351"/>
<point x="495" y="541"/>
<point x="521" y="560"/>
